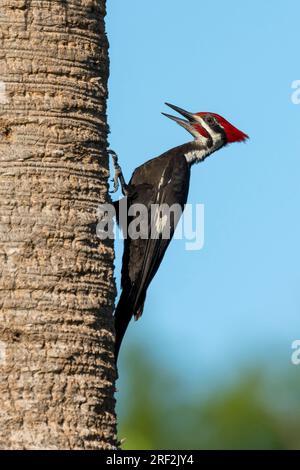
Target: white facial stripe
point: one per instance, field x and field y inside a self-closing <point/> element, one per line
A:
<point x="216" y="137"/>
<point x="217" y="141"/>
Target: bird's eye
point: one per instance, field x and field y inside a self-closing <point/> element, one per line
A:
<point x="210" y="119"/>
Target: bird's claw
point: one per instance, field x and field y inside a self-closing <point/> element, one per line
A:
<point x="116" y="180"/>
<point x="118" y="174"/>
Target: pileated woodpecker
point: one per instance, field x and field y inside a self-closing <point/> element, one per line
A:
<point x="163" y="180"/>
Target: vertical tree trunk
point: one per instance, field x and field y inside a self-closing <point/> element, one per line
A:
<point x="57" y="287"/>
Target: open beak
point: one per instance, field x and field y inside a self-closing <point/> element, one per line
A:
<point x="186" y="123"/>
<point x="181" y="111"/>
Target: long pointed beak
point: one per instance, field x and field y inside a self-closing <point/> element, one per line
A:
<point x="181" y="111"/>
<point x="186" y="123"/>
<point x="175" y="118"/>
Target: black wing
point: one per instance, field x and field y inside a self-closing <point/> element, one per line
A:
<point x="162" y="181"/>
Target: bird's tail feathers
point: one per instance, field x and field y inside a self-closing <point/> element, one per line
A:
<point x="128" y="306"/>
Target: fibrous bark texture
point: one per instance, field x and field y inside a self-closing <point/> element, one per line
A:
<point x="57" y="287"/>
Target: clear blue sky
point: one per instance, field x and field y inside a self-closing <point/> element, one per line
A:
<point x="210" y="311"/>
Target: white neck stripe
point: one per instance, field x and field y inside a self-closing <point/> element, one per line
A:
<point x="196" y="155"/>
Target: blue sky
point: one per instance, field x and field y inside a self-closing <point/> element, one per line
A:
<point x="236" y="300"/>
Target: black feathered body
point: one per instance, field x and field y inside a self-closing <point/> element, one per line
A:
<point x="162" y="180"/>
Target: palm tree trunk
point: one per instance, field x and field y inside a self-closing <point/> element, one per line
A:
<point x="57" y="288"/>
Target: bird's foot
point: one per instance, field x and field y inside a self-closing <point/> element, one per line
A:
<point x="118" y="174"/>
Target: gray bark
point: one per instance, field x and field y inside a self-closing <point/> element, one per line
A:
<point x="57" y="288"/>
